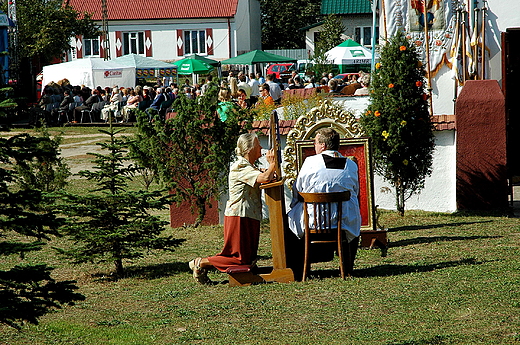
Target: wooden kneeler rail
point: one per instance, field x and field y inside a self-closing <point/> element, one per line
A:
<point x="246" y="275"/>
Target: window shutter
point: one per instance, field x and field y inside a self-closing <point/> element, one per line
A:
<point x="180" y="43"/>
<point x="79" y="47"/>
<point x="119" y="44"/>
<point x="209" y="41"/>
<point x="148" y="43"/>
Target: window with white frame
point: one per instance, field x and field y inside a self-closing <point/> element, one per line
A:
<point x="194" y="42"/>
<point x="133" y="43"/>
<point x="91" y="47"/>
<point x="363" y="35"/>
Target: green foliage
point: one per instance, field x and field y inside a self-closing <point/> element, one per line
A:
<point x="191" y="152"/>
<point x="27" y="292"/>
<point x="398" y="120"/>
<point x="46" y="26"/>
<point x="295" y="105"/>
<point x="329" y="37"/>
<point x="112" y="222"/>
<point x="282" y="21"/>
<point x="45" y="172"/>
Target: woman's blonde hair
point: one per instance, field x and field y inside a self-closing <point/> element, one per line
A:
<point x="233" y="86"/>
<point x="245" y="143"/>
<point x="224" y="95"/>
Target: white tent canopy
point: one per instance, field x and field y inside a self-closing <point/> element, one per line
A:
<point x="349" y="53"/>
<point x="90" y="72"/>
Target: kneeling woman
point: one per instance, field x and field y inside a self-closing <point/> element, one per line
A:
<point x="243" y="210"/>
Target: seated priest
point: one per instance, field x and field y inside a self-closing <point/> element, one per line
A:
<point x="326" y="171"/>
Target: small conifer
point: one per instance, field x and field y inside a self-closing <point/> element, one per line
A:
<point x="398" y="119"/>
<point x="113" y="222"/>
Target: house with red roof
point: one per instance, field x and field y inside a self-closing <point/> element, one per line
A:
<point x="169" y="30"/>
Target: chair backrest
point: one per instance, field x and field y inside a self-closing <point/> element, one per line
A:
<point x="324" y="213"/>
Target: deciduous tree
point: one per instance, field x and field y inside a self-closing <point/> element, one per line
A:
<point x="283" y="19"/>
<point x="191" y="151"/>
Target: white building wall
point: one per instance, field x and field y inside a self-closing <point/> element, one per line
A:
<point x="248" y="29"/>
<point x="439" y="189"/>
<point x="501" y="15"/>
<point x="164" y="36"/>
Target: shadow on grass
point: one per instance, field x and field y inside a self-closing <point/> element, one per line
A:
<point x="434" y="226"/>
<point x="393" y="270"/>
<point x="421" y="240"/>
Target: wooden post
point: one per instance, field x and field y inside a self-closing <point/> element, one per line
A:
<point x="427" y="51"/>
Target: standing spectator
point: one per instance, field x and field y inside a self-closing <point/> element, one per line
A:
<point x="261" y="80"/>
<point x="244" y="85"/>
<point x="274" y="89"/>
<point x="207" y="85"/>
<point x="255" y="88"/>
<point x="265" y="97"/>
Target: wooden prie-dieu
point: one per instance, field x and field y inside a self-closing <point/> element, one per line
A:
<point x="279" y="229"/>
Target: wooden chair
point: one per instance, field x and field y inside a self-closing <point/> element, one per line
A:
<point x="322" y="230"/>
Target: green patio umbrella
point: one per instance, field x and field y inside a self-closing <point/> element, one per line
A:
<point x="211" y="62"/>
<point x="190" y="66"/>
<point x="256" y="56"/>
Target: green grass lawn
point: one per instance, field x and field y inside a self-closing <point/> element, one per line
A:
<point x="447" y="279"/>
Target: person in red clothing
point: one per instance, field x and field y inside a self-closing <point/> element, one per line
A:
<point x="243" y="210"/>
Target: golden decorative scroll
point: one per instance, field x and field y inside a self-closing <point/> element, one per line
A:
<point x="329" y="113"/>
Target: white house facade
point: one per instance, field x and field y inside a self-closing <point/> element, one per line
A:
<point x="170" y="30"/>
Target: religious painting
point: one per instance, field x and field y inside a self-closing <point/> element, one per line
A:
<point x="434" y="11"/>
<point x="357" y="149"/>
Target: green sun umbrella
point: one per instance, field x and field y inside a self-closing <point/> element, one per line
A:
<point x="190" y="66"/>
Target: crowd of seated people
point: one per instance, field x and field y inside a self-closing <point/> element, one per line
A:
<point x="62" y="102"/>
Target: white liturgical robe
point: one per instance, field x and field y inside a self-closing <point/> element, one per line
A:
<point x="315" y="177"/>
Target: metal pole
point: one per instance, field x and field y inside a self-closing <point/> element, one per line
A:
<point x="374" y="9"/>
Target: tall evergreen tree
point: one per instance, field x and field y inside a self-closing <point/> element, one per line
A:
<point x="398" y="119"/>
<point x="27" y="211"/>
<point x="113" y="222"/>
<point x="191" y="151"/>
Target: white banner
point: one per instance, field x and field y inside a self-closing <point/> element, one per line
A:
<point x="113" y="73"/>
<point x="408" y="15"/>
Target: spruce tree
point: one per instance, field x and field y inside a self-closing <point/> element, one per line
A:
<point x="28" y="220"/>
<point x="113" y="222"/>
<point x="398" y="119"/>
<point x="191" y="151"/>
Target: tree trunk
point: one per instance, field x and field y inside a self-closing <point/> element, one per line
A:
<point x="201" y="211"/>
<point x="120" y="271"/>
<point x="399" y="195"/>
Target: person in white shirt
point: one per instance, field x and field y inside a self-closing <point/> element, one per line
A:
<point x="328" y="171"/>
<point x="274" y="89"/>
<point x="255" y="88"/>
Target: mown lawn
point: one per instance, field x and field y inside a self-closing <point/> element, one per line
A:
<point x="447" y="279"/>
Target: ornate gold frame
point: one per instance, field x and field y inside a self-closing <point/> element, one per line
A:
<point x="300" y="138"/>
<point x="327" y="114"/>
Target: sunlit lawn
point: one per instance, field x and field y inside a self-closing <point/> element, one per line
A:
<point x="447" y="279"/>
